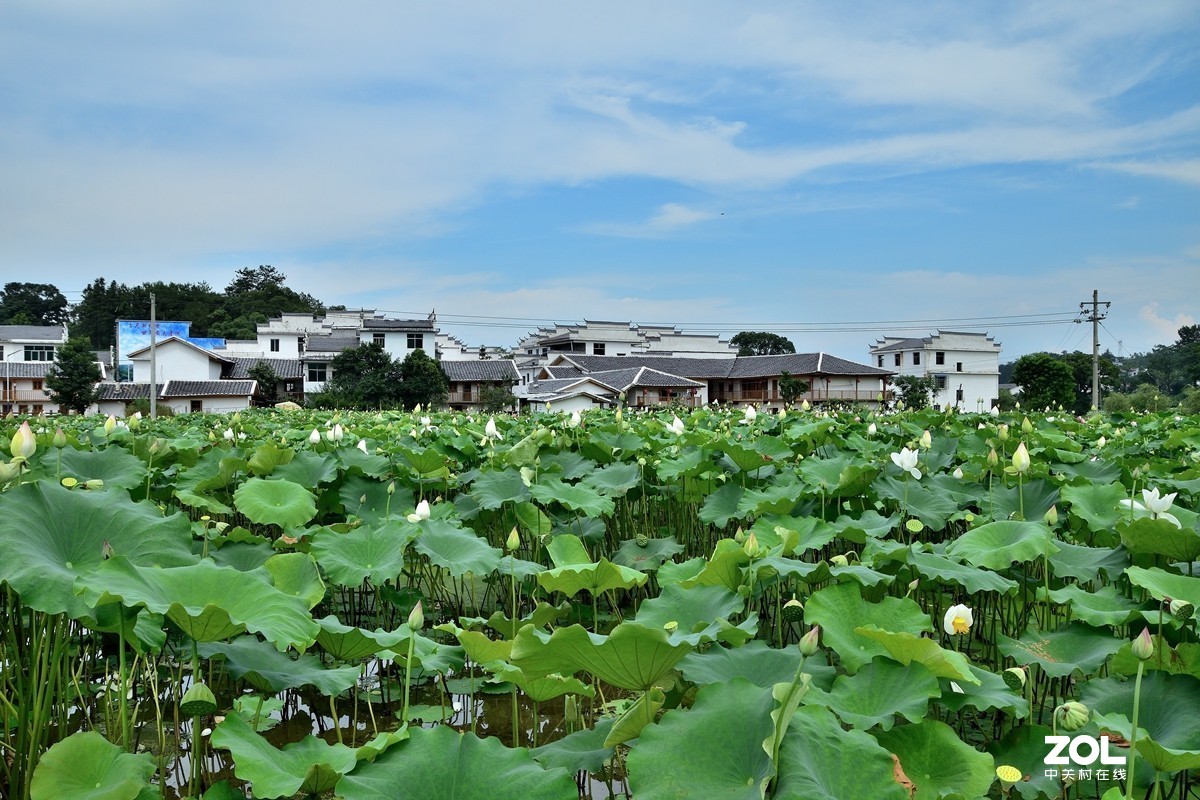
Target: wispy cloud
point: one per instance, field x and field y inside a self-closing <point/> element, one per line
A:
<point x="1184" y="171"/>
<point x="670" y="218"/>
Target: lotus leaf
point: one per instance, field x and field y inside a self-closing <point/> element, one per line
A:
<point x="267" y="456"/>
<point x="998" y="545"/>
<point x="307" y="469"/>
<point x="640" y="713"/>
<point x="457" y="550"/>
<point x="494" y="488"/>
<point x="543" y="687"/>
<point x="85" y="766"/>
<point x="878" y="692"/>
<point x="615" y="480"/>
<point x="1160" y="537"/>
<point x="270" y="671"/>
<point x="821" y="761"/>
<point x="1004" y="502"/>
<point x="1100" y="608"/>
<point x="1024" y="747"/>
<point x="988" y="693"/>
<point x="631" y="657"/>
<point x="280" y="502"/>
<point x="724" y="568"/>
<point x="443" y="764"/>
<point x="372" y="551"/>
<point x="117" y="468"/>
<point x="296" y="574"/>
<point x="840" y="608"/>
<point x="723" y="505"/>
<point x="573" y="571"/>
<point x="575" y="497"/>
<point x="973" y="579"/>
<point x="1097" y="504"/>
<point x="348" y="643"/>
<point x="310" y="765"/>
<point x="937" y="761"/>
<point x="1059" y="653"/>
<point x="1167" y="710"/>
<point x="583" y="750"/>
<point x="908" y="647"/>
<point x="647" y="557"/>
<point x="931" y="507"/>
<point x="1161" y="584"/>
<point x="1086" y="563"/>
<point x="693" y="611"/>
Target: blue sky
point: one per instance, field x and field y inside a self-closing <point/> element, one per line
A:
<point x="831" y="171"/>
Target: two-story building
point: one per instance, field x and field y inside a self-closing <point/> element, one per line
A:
<point x="26" y="354"/>
<point x="965" y="366"/>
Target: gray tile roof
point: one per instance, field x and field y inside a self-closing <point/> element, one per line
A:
<point x="398" y="324"/>
<point x="285" y="368"/>
<point x="39" y="333"/>
<point x="695" y="368"/>
<point x="702" y="369"/>
<point x="564" y="371"/>
<point x="904" y="344"/>
<point x="497" y="370"/>
<point x="124" y="392"/>
<point x="25" y="369"/>
<point x="329" y="344"/>
<point x="208" y="389"/>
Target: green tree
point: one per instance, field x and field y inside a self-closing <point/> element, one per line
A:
<point x="268" y="383"/>
<point x="914" y="391"/>
<point x="494" y="398"/>
<point x="1081" y="369"/>
<point x="761" y="343"/>
<point x="364" y="377"/>
<point x="32" y="304"/>
<point x="1045" y="381"/>
<point x="71" y="382"/>
<point x="791" y="387"/>
<point x="422" y="380"/>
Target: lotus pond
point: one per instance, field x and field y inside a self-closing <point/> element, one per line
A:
<point x="808" y="605"/>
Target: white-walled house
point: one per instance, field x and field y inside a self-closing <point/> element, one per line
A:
<point x="178" y="359"/>
<point x="965" y="366"/>
<point x="27" y="353"/>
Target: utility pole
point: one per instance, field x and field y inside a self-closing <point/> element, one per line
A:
<point x="1094" y="316"/>
<point x="153" y="362"/>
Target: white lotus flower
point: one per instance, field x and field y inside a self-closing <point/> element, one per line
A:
<point x="676" y="427"/>
<point x="576" y="419"/>
<point x="362" y="445"/>
<point x="490" y="431"/>
<point x="958" y="473"/>
<point x="228" y="434"/>
<point x="426" y="424"/>
<point x="750" y="415"/>
<point x="958" y="620"/>
<point x="314" y="437"/>
<point x="421" y="513"/>
<point x="907" y="460"/>
<point x="1155" y="503"/>
<point x="871" y="429"/>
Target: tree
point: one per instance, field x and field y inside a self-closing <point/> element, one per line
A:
<point x="1045" y="380"/>
<point x="32" y="304"/>
<point x="494" y="398"/>
<point x="915" y="392"/>
<point x="268" y="382"/>
<point x="363" y="377"/>
<point x="1081" y="368"/>
<point x="761" y="343"/>
<point x="71" y="382"/>
<point x="791" y="387"/>
<point x="423" y="381"/>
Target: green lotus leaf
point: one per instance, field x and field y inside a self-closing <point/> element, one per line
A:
<point x="999" y="545"/>
<point x="267" y="456"/>
<point x="116" y="467"/>
<point x="724" y="568"/>
<point x="640" y="713"/>
<point x="1097" y="504"/>
<point x="493" y="488"/>
<point x="368" y="499"/>
<point x="580" y="751"/>
<point x="85" y="766"/>
<point x="688" y="463"/>
<point x="242" y="556"/>
<point x="310" y="765"/>
<point x="806" y="571"/>
<point x="456" y="549"/>
<point x="221" y="790"/>
<point x="722" y="505"/>
<point x="862" y="575"/>
<point x="1162" y="584"/>
<point x="695" y="612"/>
<point x="1160" y="537"/>
<point x="909" y="647"/>
<point x="429" y="655"/>
<point x="647" y="557"/>
<point x="307" y="469"/>
<point x="278" y="502"/>
<point x="1183" y="659"/>
<point x="215" y="470"/>
<point x="574" y="572"/>
<point x="50" y="536"/>
<point x="270" y="671"/>
<point x="542" y="615"/>
<point x="948" y="571"/>
<point x="533" y="520"/>
<point x="756" y="662"/>
<point x="355" y="462"/>
<point x="938" y="762"/>
<point x="571" y="466"/>
<point x="575" y="497"/>
<point x="1162" y="759"/>
<point x="348" y="643"/>
<point x="443" y="764"/>
<point x="821" y="761"/>
<point x="540" y="688"/>
<point x="1086" y="563"/>
<point x="1024" y="747"/>
<point x="988" y="694"/>
<point x="372" y="551"/>
<point x="713" y="750"/>
<point x="631" y="657"/>
<point x="1100" y="608"/>
<point x="1167" y="707"/>
<point x="615" y="480"/>
<point x="428" y="463"/>
<point x="208" y="602"/>
<point x="481" y="649"/>
<point x="1061" y="652"/>
<point x="840" y="608"/>
<point x="1096" y="472"/>
<point x="932" y="507"/>
<point x="777" y="498"/>
<point x="1005" y="502"/>
<point x="296" y="574"/>
<point x="203" y="502"/>
<point x="878" y="692"/>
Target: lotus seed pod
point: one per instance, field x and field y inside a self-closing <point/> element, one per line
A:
<point x="1072" y="715"/>
<point x="671" y="626"/>
<point x="1143" y="645"/>
<point x="793" y="610"/>
<point x="1182" y="610"/>
<point x="642" y="540"/>
<point x="1008" y="775"/>
<point x="1014" y="678"/>
<point x="198" y="701"/>
<point x="811" y="641"/>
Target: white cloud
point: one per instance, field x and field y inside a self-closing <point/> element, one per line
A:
<point x="669" y="219"/>
<point x="1184" y="171"/>
<point x="1166" y="328"/>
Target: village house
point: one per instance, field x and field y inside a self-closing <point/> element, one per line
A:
<point x="26" y="355"/>
<point x="965" y="367"/>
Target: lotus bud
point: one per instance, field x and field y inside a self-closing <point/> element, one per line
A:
<point x="1017" y="405"/>
<point x="805" y="406"/>
<point x="993" y="460"/>
<point x="750" y="546"/>
<point x="810" y="641"/>
<point x="314" y="437"/>
<point x="1020" y="459"/>
<point x="95" y="484"/>
<point x="871" y="429"/>
<point x="793" y="610"/>
<point x="514" y="540"/>
<point x="60" y="439"/>
<point x="1026" y="426"/>
<point x="416" y="617"/>
<point x="1143" y="645"/>
<point x="840" y="561"/>
<point x="338" y="433"/>
<point x="913" y="585"/>
<point x="739" y="536"/>
<point x="155" y="446"/>
<point x="1008" y="775"/>
<point x="1072" y="715"/>
<point x="1051" y="516"/>
<point x="1014" y="678"/>
<point x="1182" y="610"/>
<point x="926" y="440"/>
<point x="958" y="473"/>
<point x="1002" y="432"/>
<point x="619" y="415"/>
<point x="24" y="443"/>
<point x="1101" y="442"/>
<point x="571" y="714"/>
<point x="197" y="701"/>
<point x="135" y="421"/>
<point x="110" y="425"/>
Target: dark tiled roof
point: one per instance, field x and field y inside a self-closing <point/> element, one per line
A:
<point x="495" y="370"/>
<point x="285" y="368"/>
<point x="330" y="344"/>
<point x="208" y="389"/>
<point x="728" y="368"/>
<point x="564" y="371"/>
<point x="695" y="368"/>
<point x="25" y="369"/>
<point x="398" y="324"/>
<point x="124" y="392"/>
<point x="832" y="365"/>
<point x="903" y="344"/>
<point x="652" y="377"/>
<point x="39" y="333"/>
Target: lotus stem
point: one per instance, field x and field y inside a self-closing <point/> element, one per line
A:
<point x="1133" y="733"/>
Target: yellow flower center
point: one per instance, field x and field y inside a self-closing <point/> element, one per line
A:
<point x="961" y="625"/>
<point x="1008" y="773"/>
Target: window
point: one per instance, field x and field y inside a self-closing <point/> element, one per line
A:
<point x="379" y="339"/>
<point x="318" y="373"/>
<point x="274" y="345"/>
<point x="881" y="361"/>
<point x="916" y="358"/>
<point x="466" y="392"/>
<point x="958" y="394"/>
<point x="598" y="349"/>
<point x="37" y="409"/>
<point x="416" y="341"/>
<point x="939" y="358"/>
<point x="897" y="359"/>
<point x="197" y="406"/>
<point x="37" y="386"/>
<point x="958" y="367"/>
<point x="940" y="381"/>
<point x="39" y="352"/>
